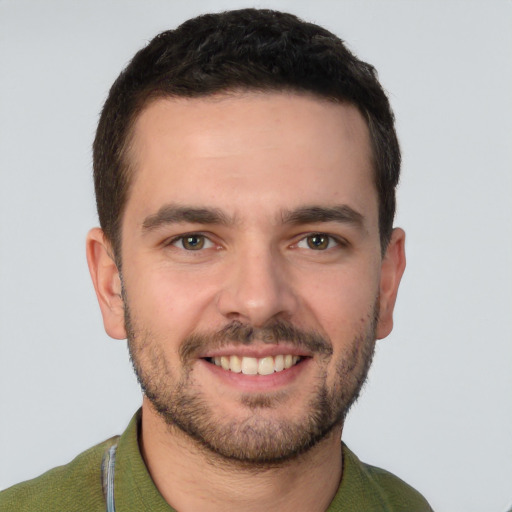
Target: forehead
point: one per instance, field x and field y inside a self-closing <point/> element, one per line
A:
<point x="245" y="150"/>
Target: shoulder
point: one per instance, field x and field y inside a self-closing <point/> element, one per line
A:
<point x="368" y="488"/>
<point x="75" y="486"/>
<point x="398" y="493"/>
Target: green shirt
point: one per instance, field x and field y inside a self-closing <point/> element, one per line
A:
<point x="78" y="486"/>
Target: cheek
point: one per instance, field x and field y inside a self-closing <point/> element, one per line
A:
<point x="343" y="301"/>
<point x="167" y="301"/>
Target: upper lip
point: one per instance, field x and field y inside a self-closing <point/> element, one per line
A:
<point x="257" y="351"/>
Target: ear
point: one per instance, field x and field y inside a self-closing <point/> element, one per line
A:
<point x="107" y="283"/>
<point x="393" y="266"/>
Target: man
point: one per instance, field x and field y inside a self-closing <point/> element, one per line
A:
<point x="245" y="167"/>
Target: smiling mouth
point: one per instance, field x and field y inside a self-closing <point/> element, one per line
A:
<point x="256" y="366"/>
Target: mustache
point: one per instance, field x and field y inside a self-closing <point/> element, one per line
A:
<point x="238" y="333"/>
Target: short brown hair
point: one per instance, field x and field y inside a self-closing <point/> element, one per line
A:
<point x="246" y="49"/>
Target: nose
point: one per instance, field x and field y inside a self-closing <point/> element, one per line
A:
<point x="257" y="288"/>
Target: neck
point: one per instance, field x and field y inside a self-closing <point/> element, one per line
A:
<point x="190" y="478"/>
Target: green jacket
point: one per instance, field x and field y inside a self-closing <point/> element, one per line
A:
<point x="79" y="486"/>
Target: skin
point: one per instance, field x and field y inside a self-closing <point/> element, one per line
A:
<point x="254" y="157"/>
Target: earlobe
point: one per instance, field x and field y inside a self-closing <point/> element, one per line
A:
<point x="393" y="266"/>
<point x="107" y="282"/>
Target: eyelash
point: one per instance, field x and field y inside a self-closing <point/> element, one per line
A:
<point x="182" y="238"/>
<point x="332" y="242"/>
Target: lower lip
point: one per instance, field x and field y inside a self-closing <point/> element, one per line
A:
<point x="256" y="383"/>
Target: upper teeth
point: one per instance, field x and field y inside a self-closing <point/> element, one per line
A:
<point x="255" y="366"/>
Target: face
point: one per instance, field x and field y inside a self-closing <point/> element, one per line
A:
<point x="251" y="269"/>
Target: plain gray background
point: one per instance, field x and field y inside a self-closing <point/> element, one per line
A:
<point x="437" y="409"/>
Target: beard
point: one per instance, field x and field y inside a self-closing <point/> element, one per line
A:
<point x="258" y="438"/>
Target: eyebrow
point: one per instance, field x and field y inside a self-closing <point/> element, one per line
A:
<point x="172" y="214"/>
<point x="311" y="214"/>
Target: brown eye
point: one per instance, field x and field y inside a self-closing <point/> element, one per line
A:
<point x="318" y="241"/>
<point x="192" y="242"/>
